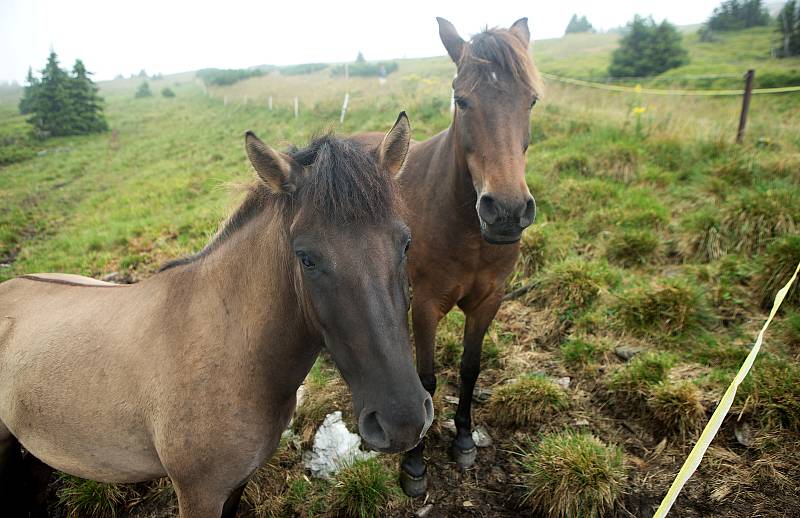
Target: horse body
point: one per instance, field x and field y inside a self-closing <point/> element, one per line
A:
<point x="469" y="204"/>
<point x="192" y="373"/>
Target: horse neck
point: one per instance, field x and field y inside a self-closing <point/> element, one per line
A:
<point x="249" y="283"/>
<point x="456" y="177"/>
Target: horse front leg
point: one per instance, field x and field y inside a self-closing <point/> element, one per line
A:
<point x="425" y="317"/>
<point x="477" y="323"/>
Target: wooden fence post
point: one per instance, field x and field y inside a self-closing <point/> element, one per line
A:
<point x="295" y="108"/>
<point x="270" y="103"/>
<point x="748" y="91"/>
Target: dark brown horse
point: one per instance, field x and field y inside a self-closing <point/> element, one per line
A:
<point x="192" y="373"/>
<point x="470" y="204"/>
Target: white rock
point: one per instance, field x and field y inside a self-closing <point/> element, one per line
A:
<point x="562" y="382"/>
<point x="334" y="447"/>
<point x="481" y="437"/>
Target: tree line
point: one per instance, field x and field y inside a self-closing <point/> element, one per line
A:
<point x="61" y="103"/>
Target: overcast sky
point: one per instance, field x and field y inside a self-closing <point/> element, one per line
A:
<point x="169" y="36"/>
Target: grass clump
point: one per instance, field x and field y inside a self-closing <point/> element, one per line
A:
<point x="632" y="381"/>
<point x="676" y="407"/>
<point x="580" y="354"/>
<point x="701" y="238"/>
<point x="362" y="490"/>
<point x="324" y="393"/>
<point x="790" y="331"/>
<point x="754" y="218"/>
<point x="772" y="393"/>
<point x="89" y="499"/>
<point x="777" y="267"/>
<point x="573" y="474"/>
<point x="631" y="247"/>
<point x="542" y="244"/>
<point x="669" y="309"/>
<point x="573" y="284"/>
<point x="527" y="401"/>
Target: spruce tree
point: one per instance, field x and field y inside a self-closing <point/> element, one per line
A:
<point x="51" y="116"/>
<point x="789" y="26"/>
<point x="87" y="110"/>
<point x="28" y="102"/>
<point x="648" y="49"/>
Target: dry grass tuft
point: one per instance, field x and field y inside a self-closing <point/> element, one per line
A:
<point x="572" y="285"/>
<point x="542" y="244"/>
<point x="527" y="401"/>
<point x="573" y="474"/>
<point x="676" y="407"/>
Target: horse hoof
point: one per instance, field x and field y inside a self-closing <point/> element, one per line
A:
<point x="464" y="458"/>
<point x="413" y="486"/>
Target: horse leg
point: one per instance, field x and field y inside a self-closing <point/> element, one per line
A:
<point x="11" y="474"/>
<point x="478" y="321"/>
<point x="425" y="318"/>
<point x="37" y="480"/>
<point x="232" y="503"/>
<point x="199" y="502"/>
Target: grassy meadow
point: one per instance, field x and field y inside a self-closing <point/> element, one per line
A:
<point x="658" y="247"/>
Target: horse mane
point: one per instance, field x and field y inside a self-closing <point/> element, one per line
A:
<point x="343" y="185"/>
<point x="501" y="48"/>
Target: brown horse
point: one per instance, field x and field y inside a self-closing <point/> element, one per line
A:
<point x="192" y="372"/>
<point x="471" y="203"/>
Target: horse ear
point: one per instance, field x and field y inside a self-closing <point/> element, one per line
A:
<point x="394" y="148"/>
<point x="521" y="31"/>
<point x="275" y="169"/>
<point x="451" y="40"/>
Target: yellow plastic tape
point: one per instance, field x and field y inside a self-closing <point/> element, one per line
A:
<point x="724" y="406"/>
<point x="655" y="91"/>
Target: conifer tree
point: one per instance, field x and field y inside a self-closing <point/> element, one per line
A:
<point x="27" y="103"/>
<point x="87" y="109"/>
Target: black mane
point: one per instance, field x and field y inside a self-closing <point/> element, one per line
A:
<point x="343" y="185"/>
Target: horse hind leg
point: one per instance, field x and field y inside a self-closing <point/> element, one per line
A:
<point x="11" y="475"/>
<point x="36" y="482"/>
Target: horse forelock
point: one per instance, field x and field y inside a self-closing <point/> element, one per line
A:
<point x="498" y="48"/>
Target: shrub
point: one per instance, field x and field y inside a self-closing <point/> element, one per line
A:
<point x="527" y="401"/>
<point x="573" y="474"/>
<point x="676" y="407"/>
<point x="219" y="77"/>
<point x="362" y="490"/>
<point x="143" y="90"/>
<point x="167" y="92"/>
<point x="648" y="49"/>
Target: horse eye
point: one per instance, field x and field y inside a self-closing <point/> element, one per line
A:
<point x="306" y="261"/>
<point x="461" y="103"/>
<point x="406" y="247"/>
<point x="533" y="103"/>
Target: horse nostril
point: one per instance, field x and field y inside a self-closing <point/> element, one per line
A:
<point x="372" y="431"/>
<point x="428" y="415"/>
<point x="529" y="215"/>
<point x="487" y="209"/>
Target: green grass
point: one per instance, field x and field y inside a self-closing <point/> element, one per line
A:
<point x="671" y="238"/>
<point x="85" y="498"/>
<point x="632" y="382"/>
<point x="573" y="474"/>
